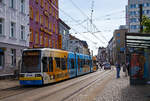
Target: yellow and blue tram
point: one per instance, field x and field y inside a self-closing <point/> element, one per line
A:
<point x="46" y="65"/>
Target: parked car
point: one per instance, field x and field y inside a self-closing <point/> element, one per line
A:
<point x="106" y="65"/>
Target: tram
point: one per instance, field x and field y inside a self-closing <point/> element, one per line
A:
<point x="45" y="65"/>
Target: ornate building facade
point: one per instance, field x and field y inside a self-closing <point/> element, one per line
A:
<point x="44" y="23"/>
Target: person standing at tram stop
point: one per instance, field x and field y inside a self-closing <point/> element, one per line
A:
<point x="124" y="69"/>
<point x="118" y="69"/>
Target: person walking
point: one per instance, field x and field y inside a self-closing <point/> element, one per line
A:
<point x="118" y="69"/>
<point x="124" y="69"/>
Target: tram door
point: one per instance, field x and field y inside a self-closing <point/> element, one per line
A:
<point x="45" y="66"/>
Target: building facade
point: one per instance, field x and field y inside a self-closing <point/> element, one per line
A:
<point x="109" y="51"/>
<point x="78" y="46"/>
<point x="133" y="13"/>
<point x="14" y="32"/>
<point x="118" y="47"/>
<point x="44" y="23"/>
<point x="64" y="32"/>
<point x="101" y="57"/>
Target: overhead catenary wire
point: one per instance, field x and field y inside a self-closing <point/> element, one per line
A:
<point x="89" y="20"/>
<point x="81" y="25"/>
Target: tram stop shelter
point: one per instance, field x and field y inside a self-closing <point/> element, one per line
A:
<point x="138" y="57"/>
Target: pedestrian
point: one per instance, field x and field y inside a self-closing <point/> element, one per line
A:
<point x="124" y="69"/>
<point x="118" y="69"/>
<point x="128" y="66"/>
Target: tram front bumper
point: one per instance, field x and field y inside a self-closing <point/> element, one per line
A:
<point x="30" y="81"/>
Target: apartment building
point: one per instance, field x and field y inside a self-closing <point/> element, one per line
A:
<point x="133" y="13"/>
<point x="64" y="32"/>
<point x="44" y="23"/>
<point x="14" y="33"/>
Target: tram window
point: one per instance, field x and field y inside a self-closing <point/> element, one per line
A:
<point x="63" y="64"/>
<point x="45" y="67"/>
<point x="50" y="64"/>
<point x="72" y="63"/>
<point x="87" y="62"/>
<point x="84" y="62"/>
<point x="81" y="62"/>
<point x="57" y="62"/>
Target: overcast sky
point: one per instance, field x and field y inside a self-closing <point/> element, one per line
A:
<point x="108" y="15"/>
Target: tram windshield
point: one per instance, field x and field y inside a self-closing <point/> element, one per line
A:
<point x="31" y="63"/>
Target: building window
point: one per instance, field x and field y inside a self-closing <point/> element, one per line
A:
<point x="133" y="20"/>
<point x="1" y="58"/>
<point x="31" y="12"/>
<point x="148" y="11"/>
<point x="132" y="13"/>
<point x="50" y="43"/>
<point x="118" y="41"/>
<point x="133" y="6"/>
<point x="50" y="25"/>
<point x="53" y="12"/>
<point x="31" y="35"/>
<point x="12" y="29"/>
<point x="13" y="57"/>
<point x="41" y="39"/>
<point x="36" y="37"/>
<point x="1" y="1"/>
<point x="50" y="8"/>
<point x="46" y="41"/>
<point x="118" y="34"/>
<point x="1" y="26"/>
<point x="41" y="20"/>
<point x="22" y="32"/>
<point x="42" y="3"/>
<point x="148" y="4"/>
<point x="46" y="6"/>
<point x="37" y="1"/>
<point x="37" y="16"/>
<point x="46" y="21"/>
<point x="23" y="6"/>
<point x="56" y="3"/>
<point x="56" y="15"/>
<point x="12" y="3"/>
<point x="53" y="27"/>
<point x="133" y="27"/>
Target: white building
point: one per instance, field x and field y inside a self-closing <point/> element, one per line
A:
<point x="133" y="15"/>
<point x="14" y="30"/>
<point x="78" y="46"/>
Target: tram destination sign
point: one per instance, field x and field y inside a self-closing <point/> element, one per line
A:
<point x="31" y="53"/>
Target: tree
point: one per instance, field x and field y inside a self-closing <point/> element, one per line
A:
<point x="146" y="24"/>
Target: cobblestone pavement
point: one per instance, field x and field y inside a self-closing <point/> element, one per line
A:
<point x="120" y="90"/>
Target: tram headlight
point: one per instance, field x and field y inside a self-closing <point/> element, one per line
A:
<point x="37" y="75"/>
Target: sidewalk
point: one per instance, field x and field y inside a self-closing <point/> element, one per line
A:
<point x="4" y="84"/>
<point x="120" y="90"/>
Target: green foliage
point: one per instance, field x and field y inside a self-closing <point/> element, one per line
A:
<point x="146" y="24"/>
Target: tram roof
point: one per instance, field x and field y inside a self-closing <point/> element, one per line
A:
<point x="44" y="49"/>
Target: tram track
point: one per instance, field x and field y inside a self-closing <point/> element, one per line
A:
<point x="72" y="95"/>
<point x="73" y="84"/>
<point x="12" y="91"/>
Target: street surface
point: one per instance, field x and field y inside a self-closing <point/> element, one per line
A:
<point x="98" y="86"/>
